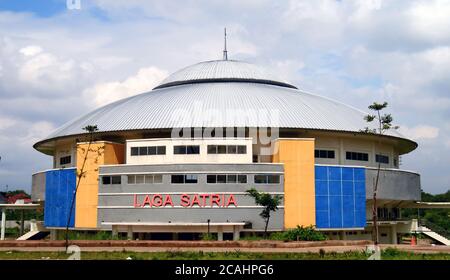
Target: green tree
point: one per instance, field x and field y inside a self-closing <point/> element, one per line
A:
<point x="269" y="202"/>
<point x="384" y="123"/>
<point x="90" y="129"/>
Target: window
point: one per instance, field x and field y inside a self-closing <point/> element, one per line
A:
<point x="324" y="154"/>
<point x="65" y="160"/>
<point x="267" y="179"/>
<point x="151" y="150"/>
<point x="242" y="179"/>
<point x="357" y="156"/>
<point x="231" y="150"/>
<point x="144" y="179"/>
<point x="212" y="149"/>
<point x="242" y="149"/>
<point x="382" y="159"/>
<point x="227" y="149"/>
<point x="185" y="179"/>
<point x="226" y="179"/>
<point x="190" y="150"/>
<point x="221" y="149"/>
<point x="108" y="180"/>
<point x="211" y="179"/>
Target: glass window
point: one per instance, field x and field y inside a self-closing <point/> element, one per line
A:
<point x="212" y="149"/>
<point x="161" y="150"/>
<point x="242" y="179"/>
<point x="231" y="179"/>
<point x="242" y="149"/>
<point x="357" y="156"/>
<point x="142" y="151"/>
<point x="211" y="179"/>
<point x="191" y="179"/>
<point x="382" y="159"/>
<point x="331" y="154"/>
<point x="65" y="160"/>
<point x="151" y="150"/>
<point x="177" y="179"/>
<point x="221" y="179"/>
<point x="193" y="150"/>
<point x="134" y="151"/>
<point x="140" y="179"/>
<point x="324" y="154"/>
<point x="273" y="179"/>
<point x="260" y="179"/>
<point x="221" y="149"/>
<point x="116" y="180"/>
<point x="179" y="150"/>
<point x="106" y="180"/>
<point x="131" y="179"/>
<point x="149" y="179"/>
<point x="157" y="178"/>
<point x="231" y="149"/>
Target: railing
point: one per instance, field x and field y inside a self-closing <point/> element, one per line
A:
<point x="438" y="229"/>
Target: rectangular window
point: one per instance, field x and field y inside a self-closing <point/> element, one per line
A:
<point x="382" y="159"/>
<point x="131" y="179"/>
<point x="211" y="179"/>
<point x="357" y="156"/>
<point x="231" y="179"/>
<point x="267" y="179"/>
<point x="106" y="180"/>
<point x="191" y="179"/>
<point x="116" y="180"/>
<point x="324" y="154"/>
<point x="212" y="149"/>
<point x="231" y="150"/>
<point x="183" y="150"/>
<point x="242" y="179"/>
<point x="193" y="150"/>
<point x="149" y="179"/>
<point x="142" y="151"/>
<point x="140" y="179"/>
<point x="241" y="149"/>
<point x="161" y="150"/>
<point x="151" y="150"/>
<point x="221" y="179"/>
<point x="177" y="179"/>
<point x="134" y="151"/>
<point x="157" y="178"/>
<point x="65" y="160"/>
<point x="221" y="149"/>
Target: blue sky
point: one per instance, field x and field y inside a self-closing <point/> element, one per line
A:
<point x="357" y="52"/>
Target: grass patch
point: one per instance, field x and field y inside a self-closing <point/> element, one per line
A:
<point x="387" y="254"/>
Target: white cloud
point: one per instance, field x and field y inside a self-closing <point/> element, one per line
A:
<point x="430" y="19"/>
<point x="143" y="81"/>
<point x="31" y="50"/>
<point x="420" y="132"/>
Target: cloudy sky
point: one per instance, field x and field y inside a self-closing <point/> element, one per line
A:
<point x="58" y="63"/>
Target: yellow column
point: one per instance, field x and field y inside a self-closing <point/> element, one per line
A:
<point x="100" y="153"/>
<point x="297" y="155"/>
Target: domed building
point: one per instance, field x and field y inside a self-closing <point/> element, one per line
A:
<point x="179" y="160"/>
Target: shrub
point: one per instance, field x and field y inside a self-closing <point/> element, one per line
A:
<point x="300" y="233"/>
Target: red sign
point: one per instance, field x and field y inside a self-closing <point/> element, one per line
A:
<point x="185" y="200"/>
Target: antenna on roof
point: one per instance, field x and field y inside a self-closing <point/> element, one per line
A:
<point x="225" y="53"/>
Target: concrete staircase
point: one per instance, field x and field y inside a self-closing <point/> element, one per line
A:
<point x="433" y="235"/>
<point x="37" y="232"/>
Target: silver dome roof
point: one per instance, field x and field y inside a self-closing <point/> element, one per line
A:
<point x="220" y="94"/>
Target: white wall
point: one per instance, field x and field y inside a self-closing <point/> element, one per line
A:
<point x="203" y="157"/>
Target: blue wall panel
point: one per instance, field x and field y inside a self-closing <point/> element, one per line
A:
<point x="340" y="197"/>
<point x="59" y="188"/>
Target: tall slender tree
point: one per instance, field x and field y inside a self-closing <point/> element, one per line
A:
<point x="384" y="123"/>
<point x="90" y="129"/>
<point x="270" y="203"/>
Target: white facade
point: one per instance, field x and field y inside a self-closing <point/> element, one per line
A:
<point x="202" y="157"/>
